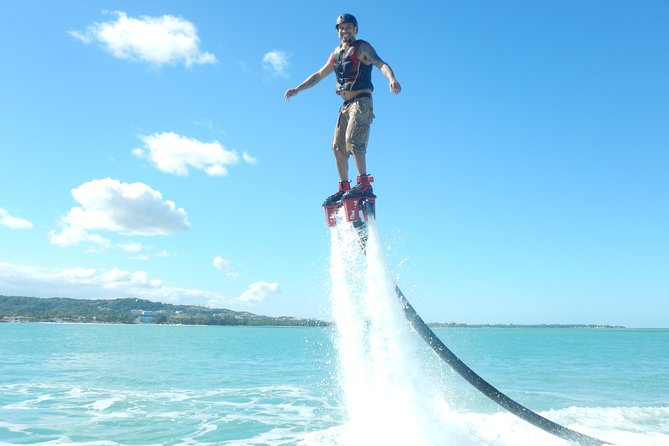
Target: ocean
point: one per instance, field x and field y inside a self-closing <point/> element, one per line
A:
<point x="369" y="380"/>
<point x="89" y="384"/>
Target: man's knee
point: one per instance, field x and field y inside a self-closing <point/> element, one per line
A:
<point x="356" y="138"/>
<point x="356" y="148"/>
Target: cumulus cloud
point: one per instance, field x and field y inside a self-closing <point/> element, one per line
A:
<point x="249" y="159"/>
<point x="72" y="235"/>
<point x="93" y="283"/>
<point x="157" y="40"/>
<point x="220" y="263"/>
<point x="259" y="292"/>
<point x="223" y="265"/>
<point x="13" y="222"/>
<point x="84" y="275"/>
<point x="131" y="247"/>
<point x="124" y="208"/>
<point x="276" y="63"/>
<point x="122" y="279"/>
<point x="78" y="282"/>
<point x="140" y="251"/>
<point x="172" y="153"/>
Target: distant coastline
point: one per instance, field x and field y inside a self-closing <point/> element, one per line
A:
<point x="133" y="311"/>
<point x="141" y="311"/>
<point x="458" y="325"/>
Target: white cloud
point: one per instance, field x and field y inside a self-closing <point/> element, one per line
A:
<point x="223" y="265"/>
<point x="131" y="247"/>
<point x="92" y="283"/>
<point x="26" y="280"/>
<point x="122" y="279"/>
<point x="172" y="153"/>
<point x="259" y="292"/>
<point x="249" y="159"/>
<point x="124" y="208"/>
<point x="156" y="40"/>
<point x="220" y="263"/>
<point x="70" y="235"/>
<point x="81" y="275"/>
<point x="13" y="222"/>
<point x="140" y="251"/>
<point x="276" y="63"/>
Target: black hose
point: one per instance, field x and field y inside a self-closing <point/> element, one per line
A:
<point x="483" y="386"/>
<point x="471" y="376"/>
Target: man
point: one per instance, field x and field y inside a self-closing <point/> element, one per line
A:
<point x="352" y="63"/>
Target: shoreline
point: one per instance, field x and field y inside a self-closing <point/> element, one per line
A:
<point x="325" y="324"/>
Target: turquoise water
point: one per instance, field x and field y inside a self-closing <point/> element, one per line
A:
<point x="370" y="381"/>
<point x="559" y="368"/>
<point x="141" y="384"/>
<point x="147" y="384"/>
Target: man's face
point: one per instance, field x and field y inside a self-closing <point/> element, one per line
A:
<point x="347" y="32"/>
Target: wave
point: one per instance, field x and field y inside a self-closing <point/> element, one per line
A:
<point x="280" y="416"/>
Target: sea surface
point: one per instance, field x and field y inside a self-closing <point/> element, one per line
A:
<point x="196" y="385"/>
<point x="369" y="380"/>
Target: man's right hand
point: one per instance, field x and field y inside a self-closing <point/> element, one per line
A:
<point x="290" y="93"/>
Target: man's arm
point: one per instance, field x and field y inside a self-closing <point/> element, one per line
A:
<point x="311" y="80"/>
<point x="369" y="57"/>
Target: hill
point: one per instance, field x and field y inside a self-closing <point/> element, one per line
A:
<point x="132" y="311"/>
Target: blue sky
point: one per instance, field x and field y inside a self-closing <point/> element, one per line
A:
<point x="147" y="151"/>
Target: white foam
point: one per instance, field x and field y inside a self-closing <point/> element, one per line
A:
<point x="390" y="400"/>
<point x="103" y="404"/>
<point x="385" y="399"/>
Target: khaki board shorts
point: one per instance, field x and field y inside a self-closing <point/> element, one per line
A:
<point x="352" y="131"/>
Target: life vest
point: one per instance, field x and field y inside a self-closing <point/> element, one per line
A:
<point x="352" y="74"/>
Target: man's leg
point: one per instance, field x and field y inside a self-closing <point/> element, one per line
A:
<point x="360" y="163"/>
<point x="357" y="137"/>
<point x="357" y="132"/>
<point x="363" y="188"/>
<point x="341" y="158"/>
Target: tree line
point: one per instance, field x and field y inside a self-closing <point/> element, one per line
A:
<point x="131" y="311"/>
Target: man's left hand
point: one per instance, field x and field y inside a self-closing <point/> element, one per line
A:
<point x="395" y="87"/>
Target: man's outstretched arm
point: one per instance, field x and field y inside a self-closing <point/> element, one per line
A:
<point x="370" y="57"/>
<point x="311" y="80"/>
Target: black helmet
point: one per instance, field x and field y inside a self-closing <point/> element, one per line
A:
<point x="346" y="18"/>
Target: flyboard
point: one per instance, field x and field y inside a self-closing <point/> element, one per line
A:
<point x="359" y="212"/>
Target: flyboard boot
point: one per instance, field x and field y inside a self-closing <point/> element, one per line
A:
<point x="360" y="198"/>
<point x="333" y="203"/>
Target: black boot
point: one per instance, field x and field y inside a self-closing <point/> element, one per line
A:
<point x="361" y="190"/>
<point x="344" y="186"/>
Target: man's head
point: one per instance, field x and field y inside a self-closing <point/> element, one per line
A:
<point x="347" y="27"/>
